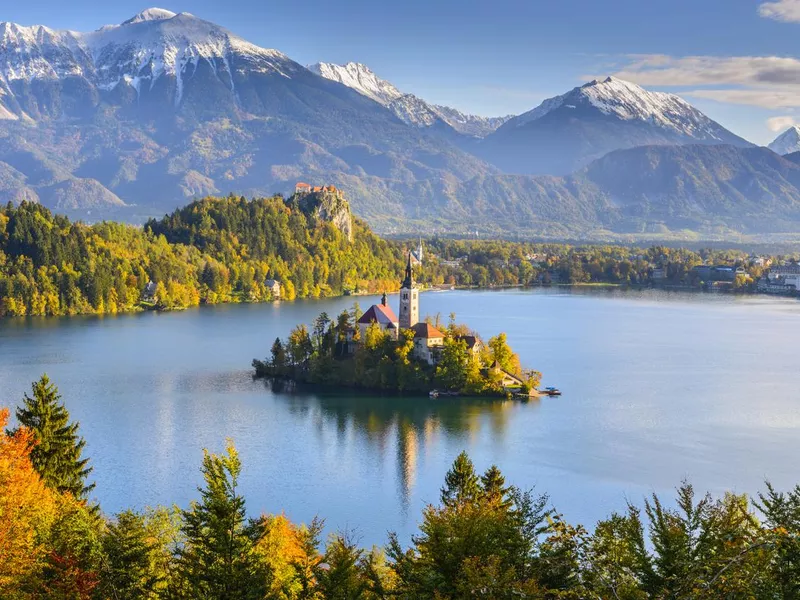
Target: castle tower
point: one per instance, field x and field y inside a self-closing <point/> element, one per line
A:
<point x="409" y="299"/>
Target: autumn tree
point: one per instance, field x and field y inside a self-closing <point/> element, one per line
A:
<point x="503" y="354"/>
<point x="27" y="510"/>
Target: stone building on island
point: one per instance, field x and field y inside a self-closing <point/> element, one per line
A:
<point x="428" y="340"/>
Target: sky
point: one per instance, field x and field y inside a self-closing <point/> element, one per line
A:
<point x="736" y="60"/>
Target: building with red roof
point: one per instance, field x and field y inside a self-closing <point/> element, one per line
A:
<point x="383" y="315"/>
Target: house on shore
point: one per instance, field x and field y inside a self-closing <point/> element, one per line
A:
<point x="149" y="292"/>
<point x="474" y="344"/>
<point x="274" y="287"/>
<point x="509" y="381"/>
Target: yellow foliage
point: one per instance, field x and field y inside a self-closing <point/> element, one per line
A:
<point x="278" y="549"/>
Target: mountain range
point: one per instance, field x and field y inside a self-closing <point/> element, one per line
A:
<point x="131" y="120"/>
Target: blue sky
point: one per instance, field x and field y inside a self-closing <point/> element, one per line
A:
<point x="734" y="59"/>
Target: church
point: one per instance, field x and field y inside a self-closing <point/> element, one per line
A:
<point x="428" y="340"/>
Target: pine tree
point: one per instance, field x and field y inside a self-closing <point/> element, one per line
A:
<point x="129" y="549"/>
<point x="461" y="482"/>
<point x="56" y="455"/>
<point x="217" y="558"/>
<point x="494" y="484"/>
<point x="342" y="579"/>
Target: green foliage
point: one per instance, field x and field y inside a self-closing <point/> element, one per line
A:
<point x="342" y="578"/>
<point x="56" y="455"/>
<point x="481" y="542"/>
<point x="132" y="555"/>
<point x="211" y="251"/>
<point x="216" y="560"/>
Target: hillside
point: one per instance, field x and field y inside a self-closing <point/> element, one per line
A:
<point x="716" y="190"/>
<point x="211" y="251"/>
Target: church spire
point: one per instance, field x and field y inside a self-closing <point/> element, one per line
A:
<point x="408" y="282"/>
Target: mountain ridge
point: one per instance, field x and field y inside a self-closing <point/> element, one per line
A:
<point x="407" y="107"/>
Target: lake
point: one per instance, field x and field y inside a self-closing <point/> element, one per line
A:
<point x="658" y="387"/>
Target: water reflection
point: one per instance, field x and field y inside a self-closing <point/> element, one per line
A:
<point x="412" y="426"/>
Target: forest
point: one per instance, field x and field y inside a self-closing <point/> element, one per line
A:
<point x="211" y="251"/>
<point x="484" y="538"/>
<point x="220" y="250"/>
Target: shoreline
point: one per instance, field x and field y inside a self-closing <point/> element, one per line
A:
<point x="141" y="309"/>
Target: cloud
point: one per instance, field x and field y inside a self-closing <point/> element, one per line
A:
<point x="787" y="11"/>
<point x="772" y="98"/>
<point x="659" y="69"/>
<point x="766" y="81"/>
<point x="780" y="123"/>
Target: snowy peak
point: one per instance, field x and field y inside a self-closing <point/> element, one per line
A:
<point x="135" y="54"/>
<point x="787" y="142"/>
<point x="360" y="78"/>
<point x="151" y="14"/>
<point x="409" y="108"/>
<point x="630" y="102"/>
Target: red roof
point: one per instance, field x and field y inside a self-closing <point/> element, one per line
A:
<point x="380" y="314"/>
<point x="302" y="185"/>
<point x="426" y="330"/>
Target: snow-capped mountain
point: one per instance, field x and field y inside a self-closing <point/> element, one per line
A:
<point x="360" y="78"/>
<point x="164" y="107"/>
<point x="567" y="131"/>
<point x="788" y="142"/>
<point x="407" y="107"/>
<point x="154" y="53"/>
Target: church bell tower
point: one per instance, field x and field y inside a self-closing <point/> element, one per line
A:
<point x="409" y="299"/>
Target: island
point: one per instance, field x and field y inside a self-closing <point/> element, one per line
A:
<point x="377" y="350"/>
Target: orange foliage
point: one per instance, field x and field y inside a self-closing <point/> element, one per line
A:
<point x="279" y="549"/>
<point x="27" y="507"/>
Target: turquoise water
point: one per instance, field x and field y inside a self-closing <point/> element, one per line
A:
<point x="657" y="388"/>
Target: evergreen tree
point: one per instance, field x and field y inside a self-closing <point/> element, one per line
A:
<point x="461" y="483"/>
<point x="217" y="559"/>
<point x="129" y="547"/>
<point x="278" y="354"/>
<point x="342" y="579"/>
<point x="307" y="563"/>
<point x="56" y="455"/>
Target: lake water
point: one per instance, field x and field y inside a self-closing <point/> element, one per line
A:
<point x="657" y="388"/>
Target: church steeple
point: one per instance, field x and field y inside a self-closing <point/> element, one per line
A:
<point x="408" y="282"/>
<point x="409" y="299"/>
